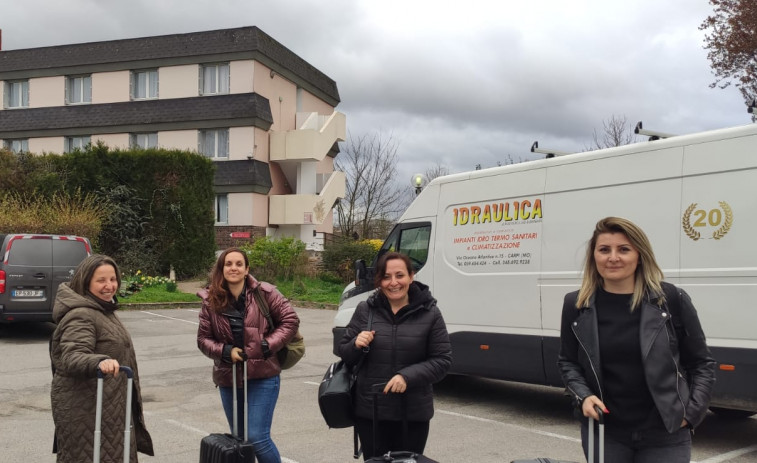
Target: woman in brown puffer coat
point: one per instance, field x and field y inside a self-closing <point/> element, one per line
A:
<point x="89" y="336"/>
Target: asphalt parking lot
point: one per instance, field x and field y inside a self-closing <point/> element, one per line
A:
<point x="476" y="420"/>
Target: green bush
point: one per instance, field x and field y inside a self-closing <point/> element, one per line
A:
<point x="171" y="286"/>
<point x="62" y="213"/>
<point x="339" y="257"/>
<point x="159" y="203"/>
<point x="280" y="258"/>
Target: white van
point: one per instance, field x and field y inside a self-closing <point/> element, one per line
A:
<point x="500" y="248"/>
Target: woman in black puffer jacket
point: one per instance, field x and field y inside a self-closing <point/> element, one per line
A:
<point x="406" y="350"/>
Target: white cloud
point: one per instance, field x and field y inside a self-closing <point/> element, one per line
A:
<point x="458" y="83"/>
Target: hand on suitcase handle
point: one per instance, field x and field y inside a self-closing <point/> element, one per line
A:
<point x="589" y="406"/>
<point x="127" y="370"/>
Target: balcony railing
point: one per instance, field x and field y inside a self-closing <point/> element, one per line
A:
<point x="312" y="141"/>
<point x="306" y="209"/>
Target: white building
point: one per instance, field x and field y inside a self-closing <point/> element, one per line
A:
<point x="262" y="113"/>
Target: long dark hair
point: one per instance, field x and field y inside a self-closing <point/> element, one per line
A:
<point x="219" y="297"/>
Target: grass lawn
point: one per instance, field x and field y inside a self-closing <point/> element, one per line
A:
<point x="311" y="290"/>
<point x="298" y="289"/>
<point x="158" y="294"/>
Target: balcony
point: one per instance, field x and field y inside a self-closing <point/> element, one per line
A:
<point x="312" y="141"/>
<point x="306" y="209"/>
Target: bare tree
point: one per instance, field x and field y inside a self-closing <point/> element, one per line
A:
<point x="731" y="44"/>
<point x="616" y="131"/>
<point x="369" y="163"/>
<point x="437" y="170"/>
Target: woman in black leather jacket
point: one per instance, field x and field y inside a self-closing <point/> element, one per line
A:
<point x="632" y="345"/>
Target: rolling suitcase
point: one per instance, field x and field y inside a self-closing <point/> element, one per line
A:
<point x="99" y="415"/>
<point x="394" y="456"/>
<point x="229" y="448"/>
<point x="591" y="444"/>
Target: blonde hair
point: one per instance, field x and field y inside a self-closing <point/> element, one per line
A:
<point x="648" y="275"/>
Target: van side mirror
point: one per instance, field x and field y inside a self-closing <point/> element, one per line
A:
<point x="361" y="273"/>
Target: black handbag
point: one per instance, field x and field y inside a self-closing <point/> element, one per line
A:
<point x="335" y="391"/>
<point x="335" y="395"/>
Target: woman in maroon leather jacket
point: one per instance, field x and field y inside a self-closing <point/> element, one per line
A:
<point x="232" y="329"/>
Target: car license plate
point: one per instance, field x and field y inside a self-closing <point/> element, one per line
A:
<point x="28" y="292"/>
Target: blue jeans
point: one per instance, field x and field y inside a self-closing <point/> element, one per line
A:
<point x="651" y="445"/>
<point x="262" y="395"/>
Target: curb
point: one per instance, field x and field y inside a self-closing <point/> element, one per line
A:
<point x="197" y="305"/>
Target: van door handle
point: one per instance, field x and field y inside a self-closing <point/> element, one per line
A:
<point x="39" y="275"/>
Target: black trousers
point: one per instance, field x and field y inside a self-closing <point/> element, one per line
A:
<point x="390" y="436"/>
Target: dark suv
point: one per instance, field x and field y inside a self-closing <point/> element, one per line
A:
<point x="31" y="269"/>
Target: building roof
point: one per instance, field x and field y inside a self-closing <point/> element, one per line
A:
<point x="245" y="176"/>
<point x="176" y="49"/>
<point x="233" y="110"/>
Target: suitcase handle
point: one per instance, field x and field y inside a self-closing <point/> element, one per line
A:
<point x="601" y="436"/>
<point x="129" y="372"/>
<point x="99" y="412"/>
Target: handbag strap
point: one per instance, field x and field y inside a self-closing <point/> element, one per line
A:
<point x="263" y="306"/>
<point x="358" y="449"/>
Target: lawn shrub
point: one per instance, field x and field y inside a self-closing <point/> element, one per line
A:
<point x="339" y="257"/>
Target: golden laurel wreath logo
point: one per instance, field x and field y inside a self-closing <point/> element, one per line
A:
<point x="686" y="222"/>
<point x="720" y="232"/>
<point x="717" y="234"/>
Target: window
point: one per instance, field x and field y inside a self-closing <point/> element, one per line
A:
<point x="214" y="79"/>
<point x="222" y="208"/>
<point x="79" y="89"/>
<point x="144" y="140"/>
<point x="77" y="143"/>
<point x="144" y="84"/>
<point x="19" y="145"/>
<point x="411" y="239"/>
<point x="214" y="143"/>
<point x="17" y="94"/>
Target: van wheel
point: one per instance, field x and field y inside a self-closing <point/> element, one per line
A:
<point x="731" y="413"/>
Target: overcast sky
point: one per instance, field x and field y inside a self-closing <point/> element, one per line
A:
<point x="455" y="83"/>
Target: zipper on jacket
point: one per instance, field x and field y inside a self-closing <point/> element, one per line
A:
<point x="596" y="376"/>
<point x="679" y="375"/>
<point x="394" y="347"/>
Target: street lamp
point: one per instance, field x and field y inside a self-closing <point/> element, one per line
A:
<point x="418" y="181"/>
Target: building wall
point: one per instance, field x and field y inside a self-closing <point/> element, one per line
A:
<point x="240" y="208"/>
<point x="241" y="142"/>
<point x="110" y="87"/>
<point x="47" y="91"/>
<point x="179" y="81"/>
<point x="46" y="145"/>
<point x="241" y="73"/>
<point x="113" y="140"/>
<point x="326" y="166"/>
<point x="224" y="239"/>
<point x="259" y="210"/>
<point x="281" y="93"/>
<point x="178" y="139"/>
<point x="311" y="104"/>
<point x="261" y="145"/>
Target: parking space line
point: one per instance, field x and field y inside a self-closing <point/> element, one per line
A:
<point x="171" y="318"/>
<point x="509" y="425"/>
<point x="729" y="455"/>
<point x="204" y="433"/>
